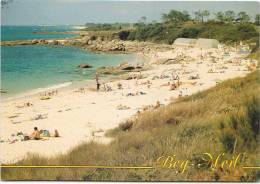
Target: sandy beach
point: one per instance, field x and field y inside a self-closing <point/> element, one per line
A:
<point x="82" y="114"/>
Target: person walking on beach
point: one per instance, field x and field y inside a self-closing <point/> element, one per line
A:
<point x="98" y="85"/>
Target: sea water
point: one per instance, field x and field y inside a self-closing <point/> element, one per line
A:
<point x="29" y="67"/>
<point x="9" y="33"/>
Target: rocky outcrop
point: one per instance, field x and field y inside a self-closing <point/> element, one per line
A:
<point x="84" y="66"/>
<point x="97" y="41"/>
<point x="120" y="69"/>
<point x="129" y="68"/>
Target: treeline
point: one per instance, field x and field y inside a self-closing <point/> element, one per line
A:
<point x="175" y="16"/>
<point x="225" y="27"/>
<point x="107" y="27"/>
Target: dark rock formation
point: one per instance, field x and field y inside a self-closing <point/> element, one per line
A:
<point x="84" y="66"/>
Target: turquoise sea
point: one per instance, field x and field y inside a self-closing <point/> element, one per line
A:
<point x="29" y="67"/>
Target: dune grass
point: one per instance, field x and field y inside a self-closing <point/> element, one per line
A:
<point x="224" y="118"/>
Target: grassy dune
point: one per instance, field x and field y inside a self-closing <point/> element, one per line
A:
<point x="224" y="118"/>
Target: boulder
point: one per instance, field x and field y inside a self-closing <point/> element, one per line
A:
<point x="128" y="68"/>
<point x="34" y="41"/>
<point x="55" y="42"/>
<point x="84" y="66"/>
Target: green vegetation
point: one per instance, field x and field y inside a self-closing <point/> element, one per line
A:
<point x="107" y="27"/>
<point x="164" y="33"/>
<point x="224" y="118"/>
<point x="257" y="19"/>
<point x="226" y="27"/>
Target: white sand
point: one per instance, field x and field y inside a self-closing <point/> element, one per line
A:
<point x="81" y="117"/>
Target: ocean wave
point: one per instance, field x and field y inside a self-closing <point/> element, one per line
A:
<point x="79" y="27"/>
<point x="53" y="87"/>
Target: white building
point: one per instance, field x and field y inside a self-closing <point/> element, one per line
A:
<point x="198" y="43"/>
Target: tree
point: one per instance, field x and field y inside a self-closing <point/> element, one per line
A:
<point x="242" y="17"/>
<point x="175" y="16"/>
<point x="201" y="15"/>
<point x="220" y="16"/>
<point x="186" y="15"/>
<point x="246" y="31"/>
<point x="257" y="19"/>
<point x="191" y="32"/>
<point x="141" y="21"/>
<point x="123" y="35"/>
<point x="230" y="16"/>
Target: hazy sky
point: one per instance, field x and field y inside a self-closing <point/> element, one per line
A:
<point x="76" y="12"/>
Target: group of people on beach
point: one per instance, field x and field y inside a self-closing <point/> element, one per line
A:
<point x="35" y="135"/>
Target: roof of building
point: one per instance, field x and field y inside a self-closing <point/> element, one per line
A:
<point x="207" y="43"/>
<point x="199" y="43"/>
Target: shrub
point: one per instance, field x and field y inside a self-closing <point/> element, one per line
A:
<point x="246" y="31"/>
<point x="123" y="35"/>
<point x="253" y="111"/>
<point x="192" y="32"/>
<point x="126" y="126"/>
<point x="228" y="141"/>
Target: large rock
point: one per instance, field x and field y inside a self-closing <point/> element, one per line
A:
<point x="55" y="42"/>
<point x="128" y="68"/>
<point x="84" y="66"/>
<point x="34" y="41"/>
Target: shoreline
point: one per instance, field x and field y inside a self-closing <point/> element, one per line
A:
<point x="137" y="58"/>
<point x="81" y="114"/>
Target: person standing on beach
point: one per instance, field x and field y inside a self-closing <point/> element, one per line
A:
<point x="98" y="85"/>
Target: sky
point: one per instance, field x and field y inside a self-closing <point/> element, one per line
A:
<point x="79" y="12"/>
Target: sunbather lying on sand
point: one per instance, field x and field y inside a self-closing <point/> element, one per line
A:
<point x="173" y="86"/>
<point x="27" y="104"/>
<point x="164" y="76"/>
<point x="107" y="87"/>
<point x="194" y="77"/>
<point x="166" y="84"/>
<point x="80" y="90"/>
<point x="135" y="94"/>
<point x="155" y="77"/>
<point x="147" y="82"/>
<point x="122" y="107"/>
